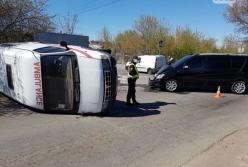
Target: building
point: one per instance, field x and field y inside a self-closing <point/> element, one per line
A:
<point x="52" y="38"/>
<point x="96" y="44"/>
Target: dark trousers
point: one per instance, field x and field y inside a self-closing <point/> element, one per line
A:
<point x="131" y="90"/>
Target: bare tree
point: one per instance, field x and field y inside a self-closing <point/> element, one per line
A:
<point x="68" y="23"/>
<point x="106" y="38"/>
<point x="231" y="44"/>
<point x="238" y="14"/>
<point x="148" y="31"/>
<point x="20" y="20"/>
<point x="151" y="31"/>
<point x="128" y="43"/>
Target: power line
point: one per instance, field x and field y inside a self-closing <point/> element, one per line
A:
<point x="86" y="5"/>
<point x="90" y="4"/>
<point x="85" y="2"/>
<point x="101" y="5"/>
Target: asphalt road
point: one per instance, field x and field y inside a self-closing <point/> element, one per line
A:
<point x="167" y="129"/>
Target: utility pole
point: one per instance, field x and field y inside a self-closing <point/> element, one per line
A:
<point x="160" y="45"/>
<point x="242" y="46"/>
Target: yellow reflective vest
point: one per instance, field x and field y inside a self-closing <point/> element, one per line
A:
<point x="133" y="72"/>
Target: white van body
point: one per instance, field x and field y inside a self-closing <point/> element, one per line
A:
<point x="49" y="77"/>
<point x="149" y="63"/>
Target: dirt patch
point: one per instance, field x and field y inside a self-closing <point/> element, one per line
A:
<point x="9" y="108"/>
<point x="229" y="151"/>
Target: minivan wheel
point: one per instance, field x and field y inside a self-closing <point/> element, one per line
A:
<point x="171" y="85"/>
<point x="239" y="87"/>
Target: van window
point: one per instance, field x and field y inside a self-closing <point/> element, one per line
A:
<point x="182" y="61"/>
<point x="50" y="49"/>
<point x="9" y="76"/>
<point x="237" y="63"/>
<point x="196" y="63"/>
<point x="218" y="63"/>
<point x="246" y="67"/>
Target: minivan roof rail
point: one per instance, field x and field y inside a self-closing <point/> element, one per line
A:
<point x="226" y="54"/>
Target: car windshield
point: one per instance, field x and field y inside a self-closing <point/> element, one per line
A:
<point x="181" y="61"/>
<point x="57" y="75"/>
<point x="163" y="68"/>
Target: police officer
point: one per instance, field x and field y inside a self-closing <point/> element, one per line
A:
<point x="133" y="75"/>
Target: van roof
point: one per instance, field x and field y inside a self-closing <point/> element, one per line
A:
<point x="25" y="45"/>
<point x="216" y="54"/>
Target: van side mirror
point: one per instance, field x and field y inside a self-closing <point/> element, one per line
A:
<point x="170" y="60"/>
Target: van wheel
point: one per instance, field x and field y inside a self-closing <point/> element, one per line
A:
<point x="239" y="87"/>
<point x="149" y="71"/>
<point x="171" y="85"/>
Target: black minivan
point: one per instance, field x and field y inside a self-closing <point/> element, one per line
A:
<point x="204" y="71"/>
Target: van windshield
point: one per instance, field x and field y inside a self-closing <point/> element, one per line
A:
<point x="182" y="61"/>
<point x="57" y="79"/>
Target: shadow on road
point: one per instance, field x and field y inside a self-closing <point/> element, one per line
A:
<point x="120" y="109"/>
<point x="190" y="91"/>
<point x="137" y="85"/>
<point x="9" y="108"/>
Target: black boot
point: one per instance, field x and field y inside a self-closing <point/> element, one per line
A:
<point x="128" y="103"/>
<point x="136" y="103"/>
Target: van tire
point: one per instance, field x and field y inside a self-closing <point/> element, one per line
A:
<point x="150" y="71"/>
<point x="239" y="87"/>
<point x="171" y="85"/>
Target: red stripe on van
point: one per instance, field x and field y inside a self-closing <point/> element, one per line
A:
<point x="82" y="52"/>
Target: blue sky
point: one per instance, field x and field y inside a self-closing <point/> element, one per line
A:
<point x="201" y="15"/>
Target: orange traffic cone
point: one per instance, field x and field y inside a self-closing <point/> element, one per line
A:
<point x="218" y="94"/>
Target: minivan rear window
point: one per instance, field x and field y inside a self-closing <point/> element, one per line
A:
<point x="218" y="63"/>
<point x="237" y="62"/>
<point x="246" y="67"/>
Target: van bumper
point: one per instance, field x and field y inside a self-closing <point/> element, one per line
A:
<point x="154" y="83"/>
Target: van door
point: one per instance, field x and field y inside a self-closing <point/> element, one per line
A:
<point x="193" y="73"/>
<point x="218" y="69"/>
<point x="140" y="66"/>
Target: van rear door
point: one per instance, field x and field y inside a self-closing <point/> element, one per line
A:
<point x="146" y="62"/>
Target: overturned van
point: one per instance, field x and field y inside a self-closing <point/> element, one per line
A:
<point x="52" y="78"/>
